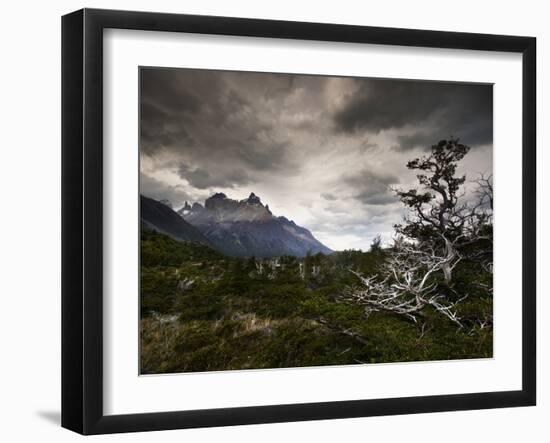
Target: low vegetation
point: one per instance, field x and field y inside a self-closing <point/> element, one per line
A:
<point x="202" y="311"/>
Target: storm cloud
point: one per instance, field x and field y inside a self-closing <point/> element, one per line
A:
<point x="323" y="151"/>
<point x="371" y="186"/>
<point x="441" y="109"/>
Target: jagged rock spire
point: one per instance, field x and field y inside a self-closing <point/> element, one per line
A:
<point x="253" y="199"/>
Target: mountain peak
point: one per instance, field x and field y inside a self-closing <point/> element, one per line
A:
<point x="185" y="209"/>
<point x="219" y="195"/>
<point x="253" y="199"/>
<point x="218" y="201"/>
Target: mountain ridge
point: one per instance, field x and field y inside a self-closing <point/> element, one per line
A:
<point x="158" y="216"/>
<point x="247" y="227"/>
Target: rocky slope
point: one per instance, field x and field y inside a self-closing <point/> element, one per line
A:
<point x="161" y="218"/>
<point x="245" y="228"/>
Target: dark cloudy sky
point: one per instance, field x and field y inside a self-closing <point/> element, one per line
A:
<point x="322" y="151"/>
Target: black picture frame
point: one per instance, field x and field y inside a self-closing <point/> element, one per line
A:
<point x="82" y="218"/>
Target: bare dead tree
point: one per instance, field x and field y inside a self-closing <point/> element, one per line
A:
<point x="484" y="190"/>
<point x="406" y="285"/>
<point x="477" y="228"/>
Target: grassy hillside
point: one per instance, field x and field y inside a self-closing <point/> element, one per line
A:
<point x="202" y="311"/>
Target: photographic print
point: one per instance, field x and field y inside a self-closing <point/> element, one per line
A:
<point x="291" y="220"/>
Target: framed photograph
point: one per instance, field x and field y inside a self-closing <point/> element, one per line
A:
<point x="269" y="221"/>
